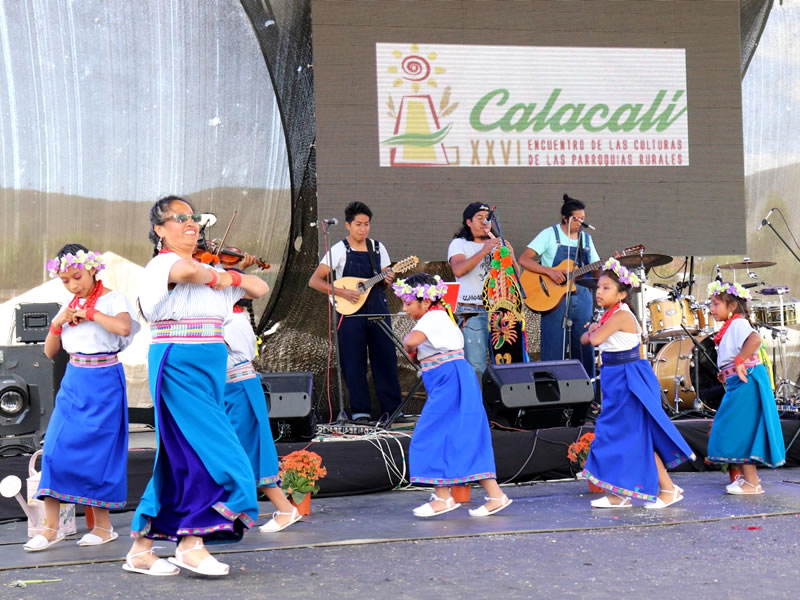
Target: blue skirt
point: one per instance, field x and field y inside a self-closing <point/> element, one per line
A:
<point x="746" y="428"/>
<point x="632" y="426"/>
<point x="202" y="481"/>
<point x="246" y="408"/>
<point x="85" y="458"/>
<point x="451" y="442"/>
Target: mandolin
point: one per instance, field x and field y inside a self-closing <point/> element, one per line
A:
<point x="364" y="285"/>
<point x="544" y="294"/>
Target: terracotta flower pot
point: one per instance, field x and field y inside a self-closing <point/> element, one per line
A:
<point x="304" y="508"/>
<point x="460" y="493"/>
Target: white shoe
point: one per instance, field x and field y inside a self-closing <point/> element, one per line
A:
<point x="91" y="539"/>
<point x="426" y="510"/>
<point x="737" y="488"/>
<point x="38" y="542"/>
<point x="482" y="511"/>
<point x="677" y="496"/>
<point x="160" y="568"/>
<point x="272" y="526"/>
<point x="208" y="566"/>
<point x="604" y="502"/>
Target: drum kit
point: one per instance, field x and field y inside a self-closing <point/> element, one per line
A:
<point x="678" y="334"/>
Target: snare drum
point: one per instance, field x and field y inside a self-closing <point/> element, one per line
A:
<point x="769" y="313"/>
<point x="667" y="315"/>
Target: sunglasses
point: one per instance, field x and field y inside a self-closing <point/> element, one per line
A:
<point x="184" y="218"/>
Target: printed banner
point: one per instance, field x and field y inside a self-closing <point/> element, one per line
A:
<point x="513" y="106"/>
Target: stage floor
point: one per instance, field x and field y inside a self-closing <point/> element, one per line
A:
<point x="386" y="517"/>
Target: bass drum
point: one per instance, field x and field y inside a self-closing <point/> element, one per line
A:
<point x="676" y="360"/>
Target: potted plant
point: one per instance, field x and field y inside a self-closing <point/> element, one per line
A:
<point x="578" y="452"/>
<point x="299" y="472"/>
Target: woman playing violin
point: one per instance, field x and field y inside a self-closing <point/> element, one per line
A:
<point x="202" y="488"/>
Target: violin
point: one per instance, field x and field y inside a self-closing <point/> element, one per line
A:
<point x="211" y="253"/>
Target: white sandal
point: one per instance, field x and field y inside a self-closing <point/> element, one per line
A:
<point x="482" y="511"/>
<point x="160" y="568"/>
<point x="736" y="488"/>
<point x="91" y="539"/>
<point x="272" y="526"/>
<point x="677" y="496"/>
<point x="426" y="510"/>
<point x="208" y="566"/>
<point x="604" y="502"/>
<point x="38" y="542"/>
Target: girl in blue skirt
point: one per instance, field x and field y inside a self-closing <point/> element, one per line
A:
<point x="85" y="459"/>
<point x="202" y="487"/>
<point x="451" y="442"/>
<point x="746" y="428"/>
<point x="246" y="407"/>
<point x="634" y="440"/>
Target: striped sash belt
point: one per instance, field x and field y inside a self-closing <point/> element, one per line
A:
<point x="438" y="359"/>
<point x="200" y="330"/>
<point x="730" y="370"/>
<point x="240" y="372"/>
<point x="93" y="361"/>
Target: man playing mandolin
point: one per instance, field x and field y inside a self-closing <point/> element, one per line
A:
<point x="550" y="248"/>
<point x="359" y="256"/>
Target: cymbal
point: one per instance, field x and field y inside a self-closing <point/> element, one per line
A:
<point x="749" y="264"/>
<point x="591" y="283"/>
<point x="645" y="260"/>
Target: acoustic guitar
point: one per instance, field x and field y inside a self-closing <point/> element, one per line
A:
<point x="364" y="285"/>
<point x="544" y="294"/>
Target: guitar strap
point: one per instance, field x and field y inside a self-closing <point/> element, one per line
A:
<point x="373" y="250"/>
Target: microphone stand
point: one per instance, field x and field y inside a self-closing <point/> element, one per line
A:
<point x="768" y="224"/>
<point x="342" y="416"/>
<point x="566" y="322"/>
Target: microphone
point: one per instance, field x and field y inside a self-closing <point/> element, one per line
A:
<point x="587" y="226"/>
<point x="764" y="221"/>
<point x="208" y="220"/>
<point x="329" y="222"/>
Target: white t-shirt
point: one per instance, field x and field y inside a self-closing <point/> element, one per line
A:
<point x="88" y="337"/>
<point x="545" y="246"/>
<point x="732" y="341"/>
<point x="443" y="335"/>
<point x="185" y="300"/>
<point x="339" y="257"/>
<point x="471" y="291"/>
<point x="239" y="337"/>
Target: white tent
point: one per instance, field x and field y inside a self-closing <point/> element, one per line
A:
<point x="119" y="274"/>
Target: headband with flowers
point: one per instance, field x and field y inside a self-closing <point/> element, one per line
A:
<point x="625" y="276"/>
<point x="79" y="260"/>
<point x="734" y="289"/>
<point x="420" y="292"/>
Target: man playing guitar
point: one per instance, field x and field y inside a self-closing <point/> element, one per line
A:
<point x="550" y="247"/>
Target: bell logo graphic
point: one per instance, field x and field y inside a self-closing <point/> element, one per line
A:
<point x="419" y="133"/>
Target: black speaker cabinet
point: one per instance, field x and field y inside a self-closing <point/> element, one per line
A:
<point x="537" y="395"/>
<point x="290" y="400"/>
<point x="29" y="382"/>
<point x="33" y="320"/>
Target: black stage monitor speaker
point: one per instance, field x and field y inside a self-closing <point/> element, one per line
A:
<point x="33" y="320"/>
<point x="537" y="395"/>
<point x="290" y="400"/>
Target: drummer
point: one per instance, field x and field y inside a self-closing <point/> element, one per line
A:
<point x="552" y="246"/>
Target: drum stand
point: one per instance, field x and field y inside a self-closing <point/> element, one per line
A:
<point x="783" y="385"/>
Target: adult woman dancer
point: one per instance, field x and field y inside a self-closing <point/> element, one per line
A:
<point x="202" y="484"/>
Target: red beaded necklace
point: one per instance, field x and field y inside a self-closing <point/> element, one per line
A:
<point x="731" y="319"/>
<point x="607" y="315"/>
<point x="91" y="299"/>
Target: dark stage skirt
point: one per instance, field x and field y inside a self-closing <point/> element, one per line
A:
<point x="631" y="426"/>
<point x="246" y="408"/>
<point x="85" y="458"/>
<point x="202" y="481"/>
<point x="451" y="442"/>
<point x="746" y="428"/>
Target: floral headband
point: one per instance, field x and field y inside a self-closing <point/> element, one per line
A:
<point x="734" y="289"/>
<point x="625" y="276"/>
<point x="421" y="291"/>
<point x="80" y="260"/>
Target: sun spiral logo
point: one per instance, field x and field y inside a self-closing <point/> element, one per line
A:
<point x="418" y="134"/>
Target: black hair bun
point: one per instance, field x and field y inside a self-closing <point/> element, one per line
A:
<point x="566" y="198"/>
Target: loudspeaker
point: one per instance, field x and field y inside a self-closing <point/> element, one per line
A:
<point x="33" y="320"/>
<point x="291" y="404"/>
<point x="537" y="395"/>
<point x="29" y="382"/>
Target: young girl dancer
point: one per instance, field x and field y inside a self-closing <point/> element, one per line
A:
<point x="746" y="428"/>
<point x="202" y="484"/>
<point x="85" y="457"/>
<point x="633" y="436"/>
<point x="247" y="409"/>
<point x="451" y="442"/>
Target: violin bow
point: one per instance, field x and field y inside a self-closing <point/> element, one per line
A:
<point x="227" y="231"/>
